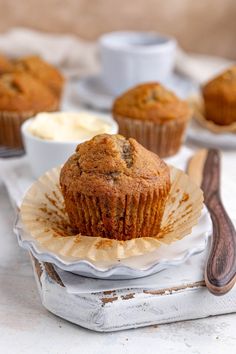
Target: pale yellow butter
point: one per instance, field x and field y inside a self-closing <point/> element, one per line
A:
<point x="68" y="126"/>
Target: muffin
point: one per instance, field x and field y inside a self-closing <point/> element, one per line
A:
<point x="219" y="97"/>
<point x="43" y="71"/>
<point x="21" y="97"/>
<point x="6" y="65"/>
<point x="113" y="187"/>
<point x="154" y="116"/>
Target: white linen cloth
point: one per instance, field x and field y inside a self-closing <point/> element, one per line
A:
<point x="198" y="67"/>
<point x="76" y="57"/>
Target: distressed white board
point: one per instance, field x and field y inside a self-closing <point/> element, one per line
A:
<point x="129" y="308"/>
<point x="182" y="297"/>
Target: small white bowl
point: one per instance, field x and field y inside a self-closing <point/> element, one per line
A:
<point x="44" y="154"/>
<point x="129" y="58"/>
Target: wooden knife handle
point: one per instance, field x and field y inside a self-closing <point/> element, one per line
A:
<point x="220" y="272"/>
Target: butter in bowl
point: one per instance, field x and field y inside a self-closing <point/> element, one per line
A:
<point x="50" y="138"/>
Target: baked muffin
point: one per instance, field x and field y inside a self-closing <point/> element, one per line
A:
<point x="43" y="71"/>
<point x="6" y="65"/>
<point x="21" y="97"/>
<point x="154" y="116"/>
<point x="219" y="97"/>
<point x="113" y="187"/>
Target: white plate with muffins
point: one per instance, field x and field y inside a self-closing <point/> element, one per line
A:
<point x="114" y="211"/>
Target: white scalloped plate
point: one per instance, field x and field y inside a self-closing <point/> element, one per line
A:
<point x="204" y="137"/>
<point x="134" y="267"/>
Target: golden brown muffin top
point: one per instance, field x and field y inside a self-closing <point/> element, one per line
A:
<point x="41" y="70"/>
<point x="112" y="165"/>
<point x="150" y="101"/>
<point x="20" y="92"/>
<point x="6" y="65"/>
<point x="223" y="85"/>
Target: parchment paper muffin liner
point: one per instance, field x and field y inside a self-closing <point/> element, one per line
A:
<point x="10" y="123"/>
<point x="126" y="216"/>
<point x="46" y="223"/>
<point x="199" y="115"/>
<point x="163" y="139"/>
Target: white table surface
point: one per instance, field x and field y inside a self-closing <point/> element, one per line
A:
<point x="26" y="327"/>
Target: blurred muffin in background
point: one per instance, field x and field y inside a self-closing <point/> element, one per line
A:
<point x="6" y="65"/>
<point x="21" y="97"/>
<point x="154" y="116"/>
<point x="219" y="97"/>
<point x="43" y="71"/>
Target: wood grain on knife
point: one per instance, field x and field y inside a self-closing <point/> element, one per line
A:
<point x="220" y="272"/>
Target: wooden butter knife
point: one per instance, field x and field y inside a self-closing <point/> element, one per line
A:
<point x="220" y="271"/>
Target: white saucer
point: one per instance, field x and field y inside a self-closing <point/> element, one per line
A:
<point x="164" y="257"/>
<point x="92" y="92"/>
<point x="204" y="137"/>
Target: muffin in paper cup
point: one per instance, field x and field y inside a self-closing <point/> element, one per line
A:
<point x="219" y="95"/>
<point x="115" y="188"/>
<point x="112" y="200"/>
<point x="21" y="97"/>
<point x="154" y="116"/>
<point x="199" y="114"/>
<point x="48" y="228"/>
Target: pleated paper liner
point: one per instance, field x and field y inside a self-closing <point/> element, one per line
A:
<point x="10" y="123"/>
<point x="47" y="225"/>
<point x="163" y="139"/>
<point x="198" y="106"/>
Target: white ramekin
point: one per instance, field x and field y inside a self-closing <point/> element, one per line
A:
<point x="43" y="154"/>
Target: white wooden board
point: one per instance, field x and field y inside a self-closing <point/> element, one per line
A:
<point x="114" y="310"/>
